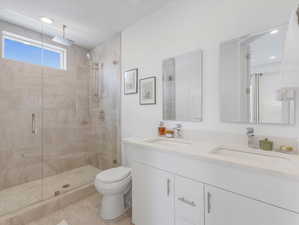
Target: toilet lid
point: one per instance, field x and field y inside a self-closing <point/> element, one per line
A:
<point x="113" y="175"/>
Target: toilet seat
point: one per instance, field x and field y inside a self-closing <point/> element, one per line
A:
<point x="113" y="175"/>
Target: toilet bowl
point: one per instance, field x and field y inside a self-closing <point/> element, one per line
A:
<point x="115" y="186"/>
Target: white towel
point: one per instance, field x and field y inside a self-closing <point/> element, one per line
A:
<point x="63" y="222"/>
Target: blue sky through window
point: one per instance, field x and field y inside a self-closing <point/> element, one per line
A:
<point x="32" y="54"/>
<point x="52" y="59"/>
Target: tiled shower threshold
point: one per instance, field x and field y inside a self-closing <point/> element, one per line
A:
<point x="28" y="194"/>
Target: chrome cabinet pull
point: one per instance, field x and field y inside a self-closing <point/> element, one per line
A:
<point x="209" y="202"/>
<point x="33" y="124"/>
<point x="182" y="199"/>
<point x="168" y="187"/>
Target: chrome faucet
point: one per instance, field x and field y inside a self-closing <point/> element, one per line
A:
<point x="252" y="141"/>
<point x="250" y="132"/>
<point x="178" y="131"/>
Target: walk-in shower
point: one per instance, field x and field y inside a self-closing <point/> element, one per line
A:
<point x="54" y="126"/>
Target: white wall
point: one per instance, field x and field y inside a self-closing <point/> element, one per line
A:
<point x="186" y="25"/>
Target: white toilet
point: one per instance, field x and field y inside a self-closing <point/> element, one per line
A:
<point x="115" y="186"/>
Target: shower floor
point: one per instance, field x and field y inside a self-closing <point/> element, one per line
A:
<point x="21" y="196"/>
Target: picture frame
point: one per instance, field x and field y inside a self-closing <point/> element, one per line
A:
<point x="131" y="82"/>
<point x="147" y="92"/>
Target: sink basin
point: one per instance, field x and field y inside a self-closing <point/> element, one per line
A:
<point x="256" y="157"/>
<point x="171" y="142"/>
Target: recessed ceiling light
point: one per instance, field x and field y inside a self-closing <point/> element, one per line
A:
<point x="274" y="31"/>
<point x="46" y="20"/>
<point x="272" y="57"/>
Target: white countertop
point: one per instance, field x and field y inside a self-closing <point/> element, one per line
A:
<point x="269" y="162"/>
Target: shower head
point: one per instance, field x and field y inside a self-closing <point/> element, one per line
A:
<point x="62" y="39"/>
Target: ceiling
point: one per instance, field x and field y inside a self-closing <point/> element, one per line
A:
<point x="89" y="22"/>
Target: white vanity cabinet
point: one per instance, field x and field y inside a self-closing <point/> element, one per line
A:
<point x="178" y="189"/>
<point x="162" y="198"/>
<point x="153" y="196"/>
<point x="226" y="208"/>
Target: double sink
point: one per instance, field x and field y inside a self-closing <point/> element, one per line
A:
<point x="236" y="154"/>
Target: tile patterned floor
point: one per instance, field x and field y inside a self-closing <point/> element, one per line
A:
<point x="84" y="212"/>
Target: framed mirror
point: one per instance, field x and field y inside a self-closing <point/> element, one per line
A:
<point x="182" y="87"/>
<point x="250" y="80"/>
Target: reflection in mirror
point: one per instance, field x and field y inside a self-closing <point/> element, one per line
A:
<point x="250" y="79"/>
<point x="182" y="87"/>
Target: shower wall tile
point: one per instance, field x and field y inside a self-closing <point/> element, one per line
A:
<point x="21" y="165"/>
<point x="67" y="135"/>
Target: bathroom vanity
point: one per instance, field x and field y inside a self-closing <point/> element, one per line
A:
<point x="187" y="183"/>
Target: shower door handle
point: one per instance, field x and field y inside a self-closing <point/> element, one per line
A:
<point x="33" y="124"/>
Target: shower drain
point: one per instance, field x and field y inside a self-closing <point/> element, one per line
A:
<point x="56" y="193"/>
<point x="66" y="186"/>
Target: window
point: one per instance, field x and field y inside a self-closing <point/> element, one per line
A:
<point x="23" y="49"/>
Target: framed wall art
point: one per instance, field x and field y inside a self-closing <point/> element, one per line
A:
<point x="147" y="95"/>
<point x="131" y="82"/>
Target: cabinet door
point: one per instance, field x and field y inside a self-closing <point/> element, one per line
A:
<point x="226" y="208"/>
<point x="153" y="196"/>
<point x="189" y="202"/>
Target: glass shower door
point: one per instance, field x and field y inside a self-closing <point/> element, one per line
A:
<point x="20" y="118"/>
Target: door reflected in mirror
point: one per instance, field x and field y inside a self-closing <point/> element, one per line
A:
<point x="182" y="87"/>
<point x="250" y="80"/>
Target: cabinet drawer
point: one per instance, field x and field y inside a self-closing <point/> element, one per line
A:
<point x="189" y="202"/>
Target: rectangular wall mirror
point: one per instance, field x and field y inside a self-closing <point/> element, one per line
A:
<point x="182" y="87"/>
<point x="250" y="80"/>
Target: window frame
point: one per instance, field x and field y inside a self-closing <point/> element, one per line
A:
<point x="39" y="44"/>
